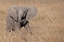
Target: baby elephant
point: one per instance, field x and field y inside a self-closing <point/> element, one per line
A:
<point x="19" y="17"/>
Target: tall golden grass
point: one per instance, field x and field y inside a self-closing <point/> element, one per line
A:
<point x="47" y="26"/>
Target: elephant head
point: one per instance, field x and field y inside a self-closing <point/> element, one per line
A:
<point x="26" y="13"/>
<point x="20" y="14"/>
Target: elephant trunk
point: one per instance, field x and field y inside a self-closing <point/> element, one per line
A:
<point x="20" y="15"/>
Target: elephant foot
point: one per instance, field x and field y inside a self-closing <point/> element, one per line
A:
<point x="13" y="29"/>
<point x="10" y="29"/>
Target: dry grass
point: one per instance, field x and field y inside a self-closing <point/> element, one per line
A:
<point x="47" y="26"/>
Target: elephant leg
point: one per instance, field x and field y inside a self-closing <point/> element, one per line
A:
<point x="9" y="24"/>
<point x="17" y="26"/>
<point x="9" y="27"/>
<point x="27" y="27"/>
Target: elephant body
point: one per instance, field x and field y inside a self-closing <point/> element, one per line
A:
<point x="19" y="16"/>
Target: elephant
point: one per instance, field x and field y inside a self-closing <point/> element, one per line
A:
<point x="19" y="17"/>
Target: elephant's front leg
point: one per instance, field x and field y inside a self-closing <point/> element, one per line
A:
<point x="17" y="26"/>
<point x="27" y="27"/>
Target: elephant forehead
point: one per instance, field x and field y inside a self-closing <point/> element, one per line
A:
<point x="20" y="11"/>
<point x="21" y="8"/>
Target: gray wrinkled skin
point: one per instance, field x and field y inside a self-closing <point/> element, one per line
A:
<point x="19" y="17"/>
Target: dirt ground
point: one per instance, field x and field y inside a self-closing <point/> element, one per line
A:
<point x="47" y="26"/>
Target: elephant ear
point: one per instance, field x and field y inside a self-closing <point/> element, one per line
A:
<point x="31" y="12"/>
<point x="13" y="12"/>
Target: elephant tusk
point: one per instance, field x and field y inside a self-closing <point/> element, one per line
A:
<point x="13" y="19"/>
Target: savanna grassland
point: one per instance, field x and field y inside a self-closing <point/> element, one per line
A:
<point x="47" y="26"/>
